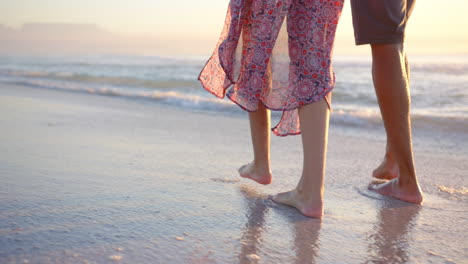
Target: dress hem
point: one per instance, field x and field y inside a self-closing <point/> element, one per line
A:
<point x="322" y="96"/>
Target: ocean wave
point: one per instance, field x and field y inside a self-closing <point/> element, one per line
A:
<point x="446" y="69"/>
<point x="104" y="60"/>
<point x="185" y="100"/>
<point x="105" y="79"/>
<point x="447" y="65"/>
<point x="460" y="193"/>
<point x="345" y="115"/>
<point x="440" y="99"/>
<point x="450" y="190"/>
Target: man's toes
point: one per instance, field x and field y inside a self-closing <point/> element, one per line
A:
<point x="378" y="181"/>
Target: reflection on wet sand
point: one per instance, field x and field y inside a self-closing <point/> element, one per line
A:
<point x="389" y="241"/>
<point x="252" y="232"/>
<point x="306" y="231"/>
<point x="306" y="240"/>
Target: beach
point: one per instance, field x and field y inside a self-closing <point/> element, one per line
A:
<point x="92" y="178"/>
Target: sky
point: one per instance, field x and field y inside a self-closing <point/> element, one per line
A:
<point x="436" y="27"/>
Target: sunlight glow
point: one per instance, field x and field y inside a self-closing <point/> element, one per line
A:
<point x="193" y="26"/>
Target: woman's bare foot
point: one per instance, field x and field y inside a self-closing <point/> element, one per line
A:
<point x="307" y="206"/>
<point x="410" y="193"/>
<point x="388" y="169"/>
<point x="256" y="173"/>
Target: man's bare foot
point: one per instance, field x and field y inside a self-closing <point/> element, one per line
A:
<point x="307" y="206"/>
<point x="260" y="175"/>
<point x="409" y="193"/>
<point x="388" y="169"/>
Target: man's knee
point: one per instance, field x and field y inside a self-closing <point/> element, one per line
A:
<point x="387" y="49"/>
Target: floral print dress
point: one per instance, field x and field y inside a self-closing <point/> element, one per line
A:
<point x="277" y="52"/>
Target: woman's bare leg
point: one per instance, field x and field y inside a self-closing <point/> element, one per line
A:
<point x="259" y="169"/>
<point x="307" y="197"/>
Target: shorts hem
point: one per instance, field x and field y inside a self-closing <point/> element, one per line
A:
<point x="393" y="40"/>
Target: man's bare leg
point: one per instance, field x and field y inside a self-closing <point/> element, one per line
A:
<point x="388" y="169"/>
<point x="259" y="169"/>
<point x="307" y="197"/>
<point x="391" y="82"/>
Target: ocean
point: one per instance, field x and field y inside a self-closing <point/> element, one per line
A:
<point x="438" y="84"/>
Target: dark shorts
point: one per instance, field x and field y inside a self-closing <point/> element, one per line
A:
<point x="380" y="21"/>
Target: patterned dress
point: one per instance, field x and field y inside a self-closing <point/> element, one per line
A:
<point x="277" y="52"/>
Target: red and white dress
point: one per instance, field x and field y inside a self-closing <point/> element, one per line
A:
<point x="277" y="52"/>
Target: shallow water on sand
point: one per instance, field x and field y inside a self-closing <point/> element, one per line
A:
<point x="92" y="179"/>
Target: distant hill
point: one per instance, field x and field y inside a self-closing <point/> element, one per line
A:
<point x="63" y="38"/>
<point x="4" y="28"/>
<point x="61" y="28"/>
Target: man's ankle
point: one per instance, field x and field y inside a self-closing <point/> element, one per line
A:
<point x="407" y="181"/>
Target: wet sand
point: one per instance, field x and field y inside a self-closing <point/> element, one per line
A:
<point x="102" y="179"/>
